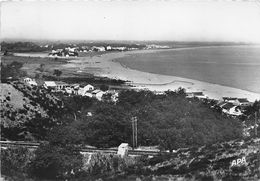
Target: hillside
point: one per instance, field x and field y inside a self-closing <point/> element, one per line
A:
<point x="234" y="160"/>
<point x="25" y="111"/>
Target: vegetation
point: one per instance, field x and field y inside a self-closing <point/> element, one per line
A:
<point x="169" y="120"/>
<point x="21" y="47"/>
<point x="11" y="71"/>
<point x="60" y="157"/>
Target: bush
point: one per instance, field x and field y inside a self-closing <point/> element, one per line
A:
<point x="54" y="162"/>
<point x="15" y="160"/>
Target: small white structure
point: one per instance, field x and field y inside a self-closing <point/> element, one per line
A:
<point x="30" y="81"/>
<point x="88" y="94"/>
<point x="98" y="94"/>
<point x="235" y="111"/>
<point x="69" y="90"/>
<point x="49" y="84"/>
<point x="89" y="87"/>
<point x="84" y="90"/>
<point x="199" y="95"/>
<point x="226" y="107"/>
<point x="123" y="149"/>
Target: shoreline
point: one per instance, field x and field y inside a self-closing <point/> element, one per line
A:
<point x="107" y="65"/>
<point x="111" y="68"/>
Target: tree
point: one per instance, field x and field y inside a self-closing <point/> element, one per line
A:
<point x="77" y="104"/>
<point x="55" y="162"/>
<point x="104" y="87"/>
<point x="61" y="157"/>
<point x="57" y="72"/>
<point x="109" y="126"/>
<point x="66" y="136"/>
<point x="12" y="70"/>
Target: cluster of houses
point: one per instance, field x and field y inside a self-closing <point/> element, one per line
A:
<point x="234" y="106"/>
<point x="228" y="105"/>
<point x="74" y="51"/>
<point x="153" y="46"/>
<point x="231" y="106"/>
<point x="75" y="89"/>
<point x="66" y="52"/>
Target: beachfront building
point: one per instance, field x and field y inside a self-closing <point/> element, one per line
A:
<point x="98" y="49"/>
<point x="237" y="101"/>
<point x="229" y="99"/>
<point x="242" y="102"/>
<point x="235" y="111"/>
<point x="198" y="95"/>
<point x="226" y="107"/>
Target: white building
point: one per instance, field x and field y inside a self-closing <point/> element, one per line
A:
<point x="235" y="111"/>
<point x="49" y="84"/>
<point x="123" y="149"/>
<point x="84" y="90"/>
<point x="30" y="81"/>
<point x="98" y="94"/>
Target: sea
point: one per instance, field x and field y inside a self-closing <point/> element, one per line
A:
<point x="233" y="66"/>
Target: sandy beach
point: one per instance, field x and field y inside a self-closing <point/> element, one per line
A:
<point x="106" y="65"/>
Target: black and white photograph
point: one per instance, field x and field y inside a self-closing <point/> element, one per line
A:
<point x="134" y="90"/>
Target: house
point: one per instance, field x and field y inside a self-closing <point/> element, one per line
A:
<point x="199" y="95"/>
<point x="98" y="94"/>
<point x="109" y="47"/>
<point x="226" y="107"/>
<point x="61" y="85"/>
<point x="88" y="94"/>
<point x="49" y="84"/>
<point x="70" y="90"/>
<point x="83" y="90"/>
<point x="89" y="87"/>
<point x="235" y="111"/>
<point x="242" y="102"/>
<point x="229" y="99"/>
<point x="30" y="81"/>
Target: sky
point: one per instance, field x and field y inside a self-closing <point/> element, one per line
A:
<point x="174" y="20"/>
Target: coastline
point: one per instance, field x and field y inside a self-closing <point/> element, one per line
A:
<point x="107" y="66"/>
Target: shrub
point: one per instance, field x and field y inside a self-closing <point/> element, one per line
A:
<point x="15" y="160"/>
<point x="54" y="162"/>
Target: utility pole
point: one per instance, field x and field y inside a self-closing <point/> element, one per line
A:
<point x="255" y="124"/>
<point x="134" y="131"/>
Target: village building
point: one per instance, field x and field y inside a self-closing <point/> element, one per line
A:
<point x="229" y="99"/>
<point x="98" y="94"/>
<point x="30" y="81"/>
<point x="226" y="107"/>
<point x="98" y="49"/>
<point x="109" y="48"/>
<point x="235" y="111"/>
<point x="83" y="90"/>
<point x="242" y="102"/>
<point x="61" y="85"/>
<point x="198" y="95"/>
<point x="49" y="85"/>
